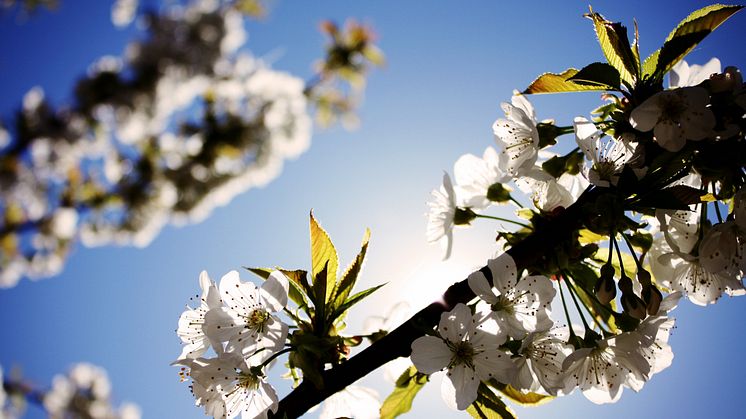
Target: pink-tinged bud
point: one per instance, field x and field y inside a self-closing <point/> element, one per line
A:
<point x="729" y="80"/>
<point x="633" y="305"/>
<point x="605" y="289"/>
<point x="652" y="298"/>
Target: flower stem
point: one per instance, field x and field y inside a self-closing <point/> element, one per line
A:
<point x="490" y="217"/>
<point x="275" y="355"/>
<point x="572" y="289"/>
<point x="577" y="306"/>
<point x="564" y="306"/>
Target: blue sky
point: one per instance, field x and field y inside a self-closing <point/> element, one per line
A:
<point x="449" y="66"/>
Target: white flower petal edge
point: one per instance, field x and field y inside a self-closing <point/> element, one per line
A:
<point x="440" y="217"/>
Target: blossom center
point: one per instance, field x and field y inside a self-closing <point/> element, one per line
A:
<point x="672" y="107"/>
<point x="463" y="353"/>
<point x="257" y="319"/>
<point x="248" y="381"/>
<point x="503" y="304"/>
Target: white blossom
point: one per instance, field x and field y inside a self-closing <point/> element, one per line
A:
<point x="247" y="321"/>
<point x="475" y="175"/>
<point x="675" y="116"/>
<point x="539" y="366"/>
<point x="192" y="320"/>
<point x="440" y="217"/>
<point x="607" y="157"/>
<point x="520" y="306"/>
<point x="468" y="349"/>
<point x="517" y="136"/>
<point x="684" y="75"/>
<point x="354" y="402"/>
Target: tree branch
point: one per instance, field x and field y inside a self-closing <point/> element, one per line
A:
<point x="534" y="248"/>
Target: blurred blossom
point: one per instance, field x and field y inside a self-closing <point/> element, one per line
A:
<point x="180" y="126"/>
<point x="123" y="12"/>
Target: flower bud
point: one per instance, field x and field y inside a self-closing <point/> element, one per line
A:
<point x="728" y="81"/>
<point x="498" y="193"/>
<point x="652" y="298"/>
<point x="643" y="277"/>
<point x="605" y="288"/>
<point x="633" y="305"/>
<point x="625" y="284"/>
<point x="463" y="216"/>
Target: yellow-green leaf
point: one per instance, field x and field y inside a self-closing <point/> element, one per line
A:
<point x="400" y="400"/>
<point x="690" y="32"/>
<point x="588" y="237"/>
<point x="557" y="83"/>
<point x="489" y="406"/>
<point x="347" y="282"/>
<point x="523" y="399"/>
<point x="323" y="255"/>
<point x="615" y="45"/>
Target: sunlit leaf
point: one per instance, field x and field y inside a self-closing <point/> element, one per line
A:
<point x="356" y="298"/>
<point x="687" y="34"/>
<point x="347" y="283"/>
<point x="615" y="45"/>
<point x="299" y="287"/>
<point x="400" y="400"/>
<point x="598" y="74"/>
<point x="323" y="257"/>
<point x="557" y="83"/>
<point x="489" y="406"/>
<point x="523" y="399"/>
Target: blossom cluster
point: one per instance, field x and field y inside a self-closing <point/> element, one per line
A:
<point x="179" y="126"/>
<point x="85" y="392"/>
<point x="689" y="244"/>
<point x="239" y="322"/>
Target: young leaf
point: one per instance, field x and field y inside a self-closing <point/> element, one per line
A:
<point x="690" y="32"/>
<point x="557" y="83"/>
<point x="598" y="74"/>
<point x="347" y="283"/>
<point x="614" y="42"/>
<point x="523" y="399"/>
<point x="489" y="406"/>
<point x="400" y="400"/>
<point x="356" y="298"/>
<point x="323" y="257"/>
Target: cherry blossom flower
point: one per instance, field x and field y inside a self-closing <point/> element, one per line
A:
<point x="468" y="349"/>
<point x="517" y="136"/>
<point x="440" y="218"/>
<point x="539" y="367"/>
<point x="519" y="306"/>
<point x="684" y="75"/>
<point x="227" y="386"/>
<point x="601" y="371"/>
<point x="247" y="321"/>
<point x="548" y="192"/>
<point x="476" y="176"/>
<point x="192" y="320"/>
<point x="607" y="157"/>
<point x="675" y="116"/>
<point x="353" y="402"/>
<point x="721" y="249"/>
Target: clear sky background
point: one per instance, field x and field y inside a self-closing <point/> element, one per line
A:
<point x="450" y="64"/>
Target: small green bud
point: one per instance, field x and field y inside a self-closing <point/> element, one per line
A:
<point x="463" y="216"/>
<point x="498" y="193"/>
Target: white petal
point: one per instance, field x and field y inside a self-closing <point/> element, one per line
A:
<point x="274" y="291"/>
<point x="504" y="274"/>
<point x="430" y="354"/>
<point x="479" y="285"/>
<point x="455" y="324"/>
<point x="466" y="384"/>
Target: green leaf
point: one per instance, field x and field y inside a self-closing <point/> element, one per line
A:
<point x="557" y="83"/>
<point x="523" y="399"/>
<point x="489" y="406"/>
<point x="356" y="298"/>
<point x="690" y="32"/>
<point x="347" y="283"/>
<point x="615" y="45"/>
<point x="650" y="64"/>
<point x="400" y="400"/>
<point x="323" y="258"/>
<point x="319" y="302"/>
<point x="598" y="74"/>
